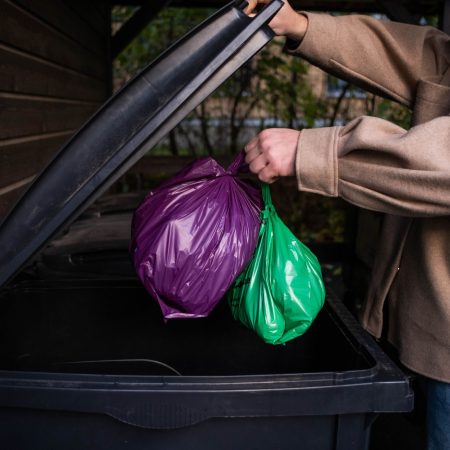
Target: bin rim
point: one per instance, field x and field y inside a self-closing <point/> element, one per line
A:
<point x="380" y="388"/>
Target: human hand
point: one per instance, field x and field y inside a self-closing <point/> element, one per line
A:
<point x="271" y="154"/>
<point x="286" y="22"/>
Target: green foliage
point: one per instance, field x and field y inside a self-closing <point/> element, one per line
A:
<point x="165" y="29"/>
<point x="285" y="92"/>
<point x="393" y="112"/>
<point x="310" y="217"/>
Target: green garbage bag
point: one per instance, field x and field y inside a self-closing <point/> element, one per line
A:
<point x="281" y="291"/>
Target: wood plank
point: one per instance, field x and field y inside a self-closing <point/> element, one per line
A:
<point x="96" y="18"/>
<point x="424" y="8"/>
<point x="58" y="15"/>
<point x="10" y="195"/>
<point x="398" y="12"/>
<point x="301" y="5"/>
<point x="28" y="115"/>
<point x="21" y="158"/>
<point x="23" y="31"/>
<point x="102" y="10"/>
<point x="22" y="72"/>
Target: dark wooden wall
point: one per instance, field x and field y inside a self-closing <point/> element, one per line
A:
<point x="54" y="73"/>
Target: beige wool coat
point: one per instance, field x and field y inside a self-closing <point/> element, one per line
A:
<point x="404" y="173"/>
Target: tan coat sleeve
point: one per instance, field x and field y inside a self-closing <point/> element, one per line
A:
<point x="371" y="162"/>
<point x="379" y="166"/>
<point x="386" y="58"/>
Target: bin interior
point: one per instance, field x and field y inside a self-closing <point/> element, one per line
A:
<point x="115" y="327"/>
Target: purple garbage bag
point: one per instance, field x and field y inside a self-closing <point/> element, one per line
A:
<point x="193" y="235"/>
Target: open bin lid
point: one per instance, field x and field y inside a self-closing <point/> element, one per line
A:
<point x="130" y="124"/>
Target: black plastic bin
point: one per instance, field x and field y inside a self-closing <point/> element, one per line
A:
<point x="91" y="365"/>
<point x="86" y="361"/>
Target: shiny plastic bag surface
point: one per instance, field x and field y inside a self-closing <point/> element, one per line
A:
<point x="193" y="235"/>
<point x="281" y="291"/>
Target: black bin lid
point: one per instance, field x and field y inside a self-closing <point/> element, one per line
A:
<point x="130" y="124"/>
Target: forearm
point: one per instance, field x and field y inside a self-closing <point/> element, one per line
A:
<point x="379" y="166"/>
<point x="385" y="58"/>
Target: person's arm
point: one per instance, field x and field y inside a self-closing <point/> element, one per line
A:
<point x="370" y="162"/>
<point x="386" y="58"/>
<point x="379" y="166"/>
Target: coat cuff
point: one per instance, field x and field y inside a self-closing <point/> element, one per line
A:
<point x="316" y="161"/>
<point x="317" y="44"/>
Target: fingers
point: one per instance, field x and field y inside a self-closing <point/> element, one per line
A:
<point x="252" y="4"/>
<point x="255" y="156"/>
<point x="259" y="161"/>
<point x="263" y="169"/>
<point x="258" y="164"/>
<point x="268" y="175"/>
<point x="252" y="150"/>
<point x="272" y="153"/>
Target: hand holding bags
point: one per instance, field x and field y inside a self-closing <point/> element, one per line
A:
<point x="281" y="291"/>
<point x="193" y="235"/>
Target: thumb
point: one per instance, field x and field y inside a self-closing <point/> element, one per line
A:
<point x="252" y="4"/>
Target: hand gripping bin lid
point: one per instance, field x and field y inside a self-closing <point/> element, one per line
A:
<point x="88" y="363"/>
